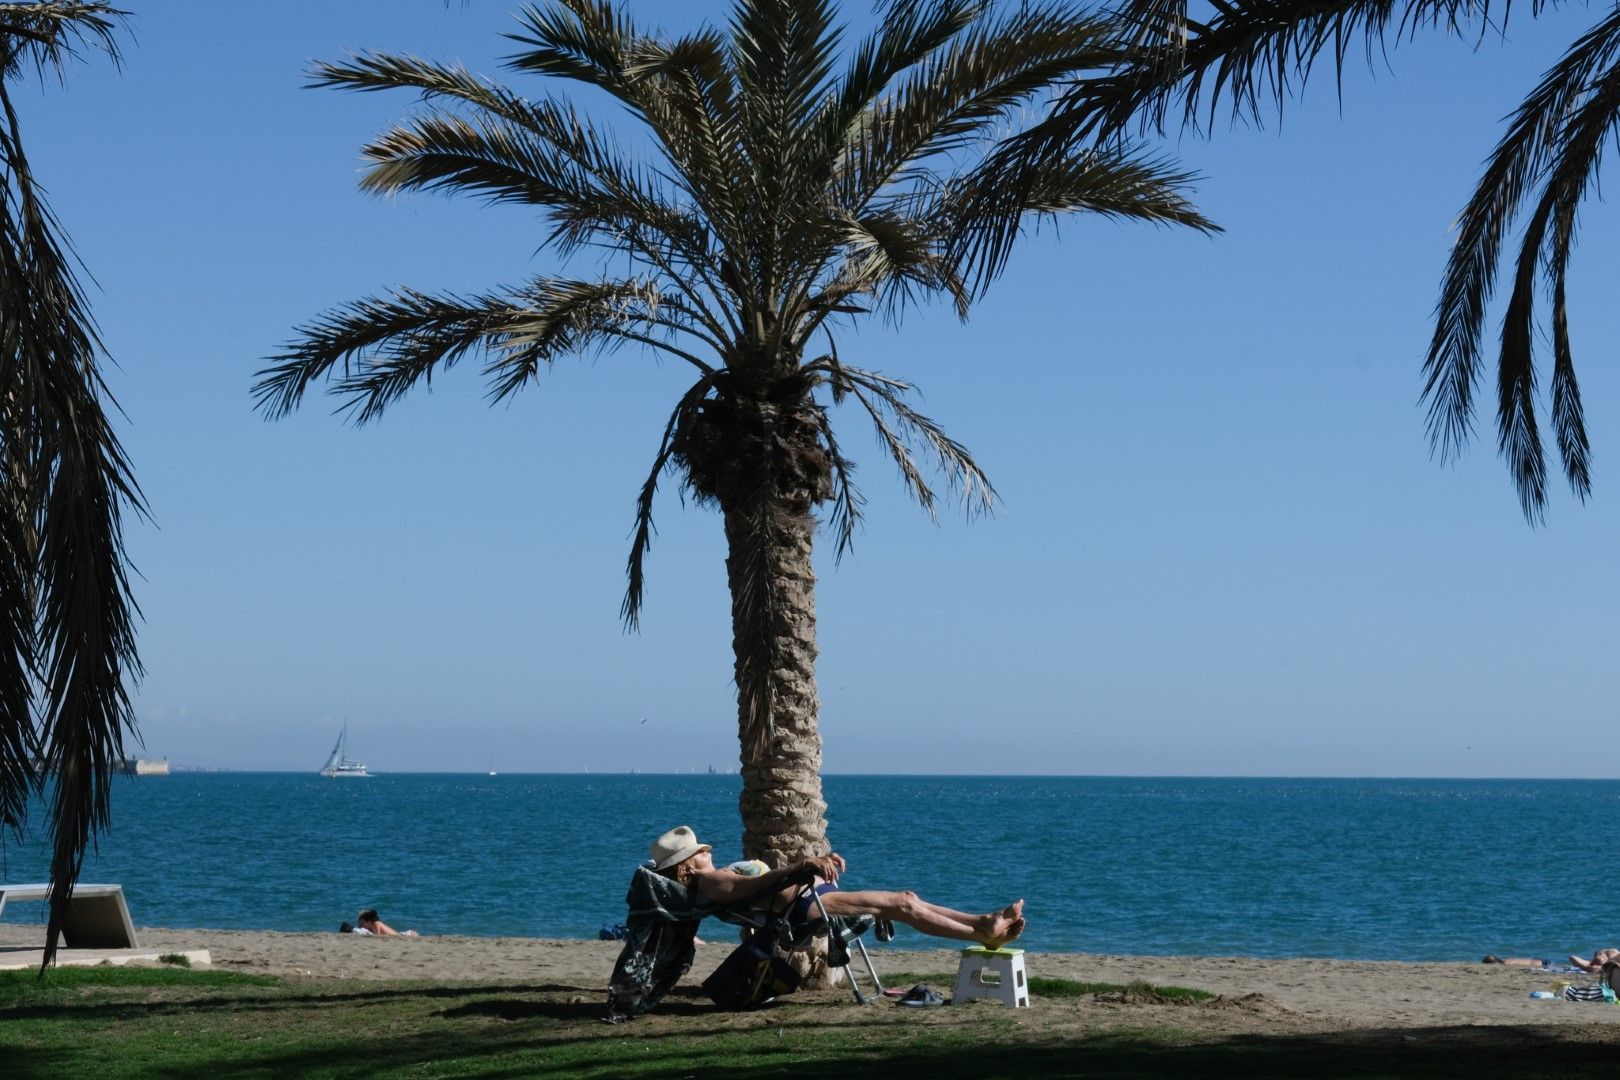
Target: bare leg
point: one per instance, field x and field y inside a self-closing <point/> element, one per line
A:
<point x="992" y="930"/>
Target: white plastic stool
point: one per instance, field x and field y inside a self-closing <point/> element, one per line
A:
<point x="1006" y="965"/>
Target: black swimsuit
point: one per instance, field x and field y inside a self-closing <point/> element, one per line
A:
<point x="800" y="912"/>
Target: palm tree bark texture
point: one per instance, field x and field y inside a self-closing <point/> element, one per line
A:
<point x="782" y="806"/>
<point x="792" y="181"/>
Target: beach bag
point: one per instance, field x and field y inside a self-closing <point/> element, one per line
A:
<point x="753" y="974"/>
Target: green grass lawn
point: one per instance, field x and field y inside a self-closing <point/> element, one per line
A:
<point x="172" y="1022"/>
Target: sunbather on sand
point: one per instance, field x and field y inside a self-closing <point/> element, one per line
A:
<point x="371" y="924"/>
<point x="678" y="855"/>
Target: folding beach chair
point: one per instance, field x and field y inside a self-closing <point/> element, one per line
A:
<point x="840" y="932"/>
<point x="663" y="919"/>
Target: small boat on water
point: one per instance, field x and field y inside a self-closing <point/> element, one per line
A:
<point x="339" y="764"/>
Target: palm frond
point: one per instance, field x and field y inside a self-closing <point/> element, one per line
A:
<point x="847" y="499"/>
<point x="883" y="400"/>
<point x="953" y="98"/>
<point x="69" y="645"/>
<point x="1568" y="417"/>
<point x="1255" y="53"/>
<point x="1452" y="365"/>
<point x="583" y="40"/>
<point x="52" y="33"/>
<point x="1571" y="173"/>
<point x="387" y="345"/>
<point x="642" y="534"/>
<point x="891" y="257"/>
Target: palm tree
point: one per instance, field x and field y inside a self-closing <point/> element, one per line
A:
<point x="69" y="641"/>
<point x="1255" y="54"/>
<point x="792" y="185"/>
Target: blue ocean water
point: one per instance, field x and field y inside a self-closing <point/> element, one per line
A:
<point x="1364" y="869"/>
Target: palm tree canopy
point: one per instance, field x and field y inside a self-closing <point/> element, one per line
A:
<point x="784" y="180"/>
<point x="68" y="619"/>
<point x="1253" y="55"/>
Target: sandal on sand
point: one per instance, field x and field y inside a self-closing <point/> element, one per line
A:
<point x="920" y="996"/>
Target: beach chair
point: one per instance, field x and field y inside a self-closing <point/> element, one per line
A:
<point x="663" y="921"/>
<point x="97" y="916"/>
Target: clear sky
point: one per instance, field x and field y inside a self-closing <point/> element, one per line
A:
<point x="1223" y="549"/>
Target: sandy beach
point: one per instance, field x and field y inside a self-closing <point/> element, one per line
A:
<point x="1257" y="996"/>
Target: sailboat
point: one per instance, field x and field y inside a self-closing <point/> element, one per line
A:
<point x="339" y="764"/>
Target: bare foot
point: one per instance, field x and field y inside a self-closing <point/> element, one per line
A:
<point x="1002" y="926"/>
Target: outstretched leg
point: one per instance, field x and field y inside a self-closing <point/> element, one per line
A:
<point x="992" y="930"/>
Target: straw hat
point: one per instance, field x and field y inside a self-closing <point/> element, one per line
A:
<point x="675" y="846"/>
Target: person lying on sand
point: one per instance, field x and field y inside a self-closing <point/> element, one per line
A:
<point x="371" y="924"/>
<point x="678" y="855"/>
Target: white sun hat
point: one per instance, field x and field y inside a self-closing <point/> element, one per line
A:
<point x="675" y="846"/>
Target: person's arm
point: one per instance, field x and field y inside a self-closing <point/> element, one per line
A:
<point x="730" y="887"/>
<point x="382" y="929"/>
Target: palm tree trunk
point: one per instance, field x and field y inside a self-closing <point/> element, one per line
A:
<point x="773" y="623"/>
<point x="773" y="612"/>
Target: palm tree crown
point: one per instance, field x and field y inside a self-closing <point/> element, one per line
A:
<point x="69" y="643"/>
<point x="788" y="181"/>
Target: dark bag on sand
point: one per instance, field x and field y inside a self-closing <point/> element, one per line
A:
<point x="752" y="975"/>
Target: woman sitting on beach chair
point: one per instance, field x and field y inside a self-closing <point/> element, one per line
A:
<point x="680" y="887"/>
<point x="678" y="855"/>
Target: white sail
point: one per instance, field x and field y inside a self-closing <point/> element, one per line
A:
<point x="337" y="751"/>
<point x="339" y="763"/>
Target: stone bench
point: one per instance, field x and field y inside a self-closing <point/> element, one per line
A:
<point x="97" y="916"/>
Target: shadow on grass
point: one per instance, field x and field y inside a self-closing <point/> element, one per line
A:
<point x="810" y="1046"/>
<point x="271" y="1001"/>
<point x="518" y="1030"/>
<point x="1488" y="1052"/>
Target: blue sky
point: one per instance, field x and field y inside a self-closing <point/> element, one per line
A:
<point x="1223" y="546"/>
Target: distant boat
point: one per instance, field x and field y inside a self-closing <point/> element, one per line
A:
<point x="339" y="763"/>
<point x="492" y="768"/>
<point x="139" y="766"/>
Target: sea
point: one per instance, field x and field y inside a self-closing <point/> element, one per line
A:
<point x="1374" y="869"/>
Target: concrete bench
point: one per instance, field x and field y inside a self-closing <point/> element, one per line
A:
<point x="97" y="916"/>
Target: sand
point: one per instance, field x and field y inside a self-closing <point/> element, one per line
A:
<point x="1280" y="996"/>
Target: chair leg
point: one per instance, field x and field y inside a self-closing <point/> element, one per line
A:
<point x="870" y="970"/>
<point x="854" y="982"/>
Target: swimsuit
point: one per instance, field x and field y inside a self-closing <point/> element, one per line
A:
<point x="800" y="912"/>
